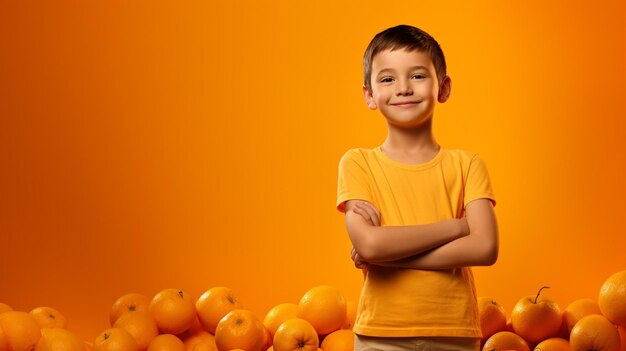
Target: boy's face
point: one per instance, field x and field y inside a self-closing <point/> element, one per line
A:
<point x="405" y="87"/>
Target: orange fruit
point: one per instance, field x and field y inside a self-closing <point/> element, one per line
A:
<point x="324" y="307"/>
<point x="206" y="345"/>
<point x="553" y="344"/>
<point x="88" y="346"/>
<point x="173" y="310"/>
<point x="200" y="336"/>
<point x="140" y="325"/>
<point x="166" y="342"/>
<point x="269" y="340"/>
<point x="622" y="336"/>
<point x="4" y="307"/>
<point x="240" y="329"/>
<point x="115" y="339"/>
<point x="128" y="303"/>
<point x="59" y="339"/>
<point x="3" y="341"/>
<point x="351" y="308"/>
<point x="509" y="325"/>
<point x="21" y="331"/>
<point x="278" y="314"/>
<point x="195" y="327"/>
<point x="579" y="309"/>
<point x="563" y="331"/>
<point x="339" y="340"/>
<point x="214" y="304"/>
<point x="492" y="317"/>
<point x="594" y="332"/>
<point x="504" y="341"/>
<point x="612" y="298"/>
<point x="48" y="317"/>
<point x="296" y="335"/>
<point x="536" y="319"/>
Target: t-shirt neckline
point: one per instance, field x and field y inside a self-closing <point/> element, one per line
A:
<point x="413" y="167"/>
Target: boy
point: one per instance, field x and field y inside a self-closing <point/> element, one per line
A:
<point x="418" y="215"/>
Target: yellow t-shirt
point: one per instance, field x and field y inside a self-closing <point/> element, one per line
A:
<point x="398" y="302"/>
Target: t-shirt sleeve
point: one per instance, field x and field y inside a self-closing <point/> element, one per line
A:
<point x="478" y="184"/>
<point x="352" y="181"/>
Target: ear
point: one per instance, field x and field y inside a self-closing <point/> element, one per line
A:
<point x="369" y="98"/>
<point x="444" y="89"/>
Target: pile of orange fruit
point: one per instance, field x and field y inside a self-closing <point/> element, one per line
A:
<point x="539" y="324"/>
<point x="172" y="321"/>
<point x="322" y="320"/>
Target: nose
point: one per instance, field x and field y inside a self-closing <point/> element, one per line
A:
<point x="403" y="88"/>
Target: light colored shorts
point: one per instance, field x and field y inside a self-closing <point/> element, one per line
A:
<point x="372" y="343"/>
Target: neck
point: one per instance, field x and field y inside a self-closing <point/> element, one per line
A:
<point x="410" y="140"/>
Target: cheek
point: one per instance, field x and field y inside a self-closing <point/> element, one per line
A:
<point x="381" y="94"/>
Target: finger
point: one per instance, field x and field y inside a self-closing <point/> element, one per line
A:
<point x="364" y="208"/>
<point x="376" y="219"/>
<point x="371" y="211"/>
<point x="363" y="213"/>
<point x="355" y="255"/>
<point x="358" y="258"/>
<point x="357" y="262"/>
<point x="374" y="212"/>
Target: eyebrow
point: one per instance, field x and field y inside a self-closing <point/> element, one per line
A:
<point x="414" y="68"/>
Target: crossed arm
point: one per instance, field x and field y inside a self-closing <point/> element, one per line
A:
<point x="469" y="241"/>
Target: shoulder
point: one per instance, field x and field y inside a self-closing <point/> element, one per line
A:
<point x="356" y="155"/>
<point x="461" y="156"/>
<point x="464" y="161"/>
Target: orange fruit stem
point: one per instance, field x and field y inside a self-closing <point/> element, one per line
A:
<point x="539" y="292"/>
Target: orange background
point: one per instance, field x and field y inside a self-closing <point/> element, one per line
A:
<point x="149" y="145"/>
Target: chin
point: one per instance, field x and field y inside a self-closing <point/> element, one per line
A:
<point x="408" y="122"/>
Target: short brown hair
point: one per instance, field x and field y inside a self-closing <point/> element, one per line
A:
<point x="403" y="37"/>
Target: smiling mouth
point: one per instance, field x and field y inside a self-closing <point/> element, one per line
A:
<point x="406" y="104"/>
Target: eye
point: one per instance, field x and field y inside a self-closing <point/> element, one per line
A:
<point x="386" y="80"/>
<point x="418" y="76"/>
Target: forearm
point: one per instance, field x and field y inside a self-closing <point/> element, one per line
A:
<point x="466" y="251"/>
<point x="479" y="248"/>
<point x="389" y="243"/>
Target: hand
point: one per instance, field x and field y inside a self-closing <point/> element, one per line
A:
<point x="368" y="211"/>
<point x="358" y="263"/>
